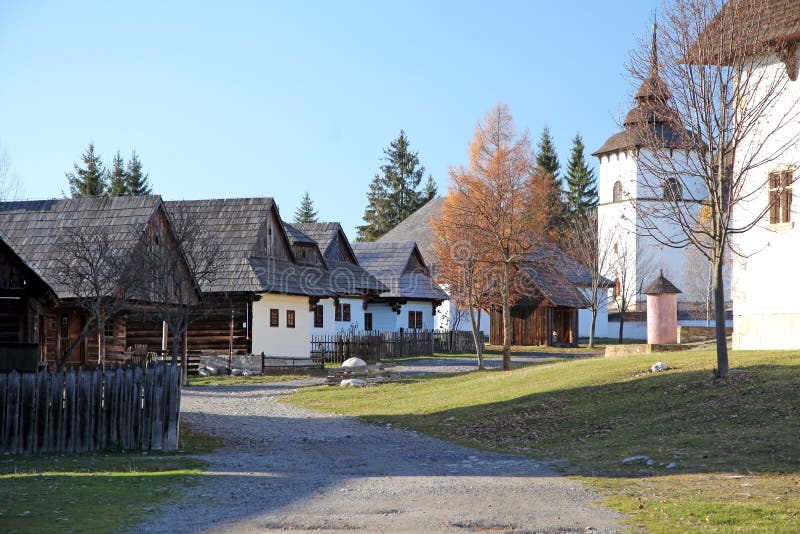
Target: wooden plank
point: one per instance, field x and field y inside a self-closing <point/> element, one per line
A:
<point x="98" y="429"/>
<point x="173" y="410"/>
<point x="108" y="398"/>
<point x="126" y="409"/>
<point x="137" y="415"/>
<point x="147" y="409"/>
<point x="42" y="411"/>
<point x="55" y="422"/>
<point x="114" y="409"/>
<point x="12" y="413"/>
<point x="157" y="435"/>
<point x="3" y="405"/>
<point x="27" y="412"/>
<point x="81" y="411"/>
<point x="70" y="394"/>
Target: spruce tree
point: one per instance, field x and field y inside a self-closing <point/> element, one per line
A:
<point x="581" y="185"/>
<point x="393" y="193"/>
<point x="549" y="166"/>
<point x="117" y="179"/>
<point x="89" y="180"/>
<point x="136" y="180"/>
<point x="305" y="213"/>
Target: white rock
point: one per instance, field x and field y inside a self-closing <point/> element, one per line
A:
<point x="203" y="372"/>
<point x="212" y="370"/>
<point x="237" y="372"/>
<point x="658" y="366"/>
<point x="355" y="382"/>
<point x="248" y="372"/>
<point x="672" y="465"/>
<point x="639" y="459"/>
<point x="354" y="362"/>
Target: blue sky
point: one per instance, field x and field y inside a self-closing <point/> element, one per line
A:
<point x="228" y="99"/>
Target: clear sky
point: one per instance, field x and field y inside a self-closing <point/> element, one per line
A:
<point x="229" y="99"/>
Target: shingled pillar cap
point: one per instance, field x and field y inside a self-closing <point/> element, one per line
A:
<point x="661" y="286"/>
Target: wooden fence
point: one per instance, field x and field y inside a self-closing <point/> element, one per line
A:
<point x="88" y="410"/>
<point x="388" y="345"/>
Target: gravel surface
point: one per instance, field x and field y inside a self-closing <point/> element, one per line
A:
<point x="462" y="365"/>
<point x="287" y="468"/>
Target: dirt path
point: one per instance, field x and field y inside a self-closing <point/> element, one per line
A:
<point x="292" y="469"/>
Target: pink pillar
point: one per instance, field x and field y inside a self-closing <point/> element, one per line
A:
<point x="662" y="318"/>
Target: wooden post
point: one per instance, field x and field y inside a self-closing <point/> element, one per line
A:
<point x="164" y="338"/>
<point x="230" y="345"/>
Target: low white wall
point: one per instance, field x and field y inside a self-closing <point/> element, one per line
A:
<point x="282" y="341"/>
<point x="330" y="325"/>
<point x="601" y="323"/>
<point x="767" y="331"/>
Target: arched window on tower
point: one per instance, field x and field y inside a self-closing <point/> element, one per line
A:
<point x="617" y="191"/>
<point x="671" y="189"/>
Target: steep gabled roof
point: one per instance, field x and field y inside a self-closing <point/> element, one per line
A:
<point x="417" y="227"/>
<point x="558" y="261"/>
<point x="237" y="224"/>
<point x="400" y="267"/>
<point x="35" y="230"/>
<point x="555" y="287"/>
<point x="330" y="237"/>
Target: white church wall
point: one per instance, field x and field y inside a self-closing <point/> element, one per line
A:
<point x="766" y="295"/>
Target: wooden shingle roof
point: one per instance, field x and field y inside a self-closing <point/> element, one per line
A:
<point x="36" y="229"/>
<point x="399" y="265"/>
<point x="417" y="227"/>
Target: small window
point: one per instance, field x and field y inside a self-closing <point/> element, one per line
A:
<point x="337" y="312"/>
<point x="318" y="317"/>
<point x="368" y="322"/>
<point x="671" y="190"/>
<point x="617" y="288"/>
<point x="415" y="320"/>
<point x="346" y="312"/>
<point x="274" y="317"/>
<point x="780" y="197"/>
<point x="289" y="318"/>
<point x="617" y="195"/>
<point x="108" y="328"/>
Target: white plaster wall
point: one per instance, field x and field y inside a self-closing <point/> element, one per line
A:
<point x="383" y="318"/>
<point x="330" y="326"/>
<point x="766" y="295"/>
<point x="428" y="317"/>
<point x="444" y="314"/>
<point x="585" y="318"/>
<point x="281" y="341"/>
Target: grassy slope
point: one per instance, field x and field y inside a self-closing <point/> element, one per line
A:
<point x="735" y="441"/>
<point x="233" y="380"/>
<point x="97" y="492"/>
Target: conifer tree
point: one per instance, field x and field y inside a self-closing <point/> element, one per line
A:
<point x="305" y="213"/>
<point x="549" y="166"/>
<point x="581" y="184"/>
<point x="117" y="179"/>
<point x="91" y="180"/>
<point x="393" y="193"/>
<point x="136" y="180"/>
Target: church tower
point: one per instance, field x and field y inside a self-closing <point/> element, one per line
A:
<point x="624" y="189"/>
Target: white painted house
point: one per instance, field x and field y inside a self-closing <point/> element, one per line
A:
<point x="351" y="286"/>
<point x="413" y="296"/>
<point x="624" y="189"/>
<point x="766" y="295"/>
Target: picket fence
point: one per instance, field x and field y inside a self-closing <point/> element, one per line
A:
<point x="128" y="408"/>
<point x="371" y="348"/>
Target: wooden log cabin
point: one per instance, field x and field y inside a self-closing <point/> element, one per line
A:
<point x="547" y="313"/>
<point x="41" y="319"/>
<point x="263" y="292"/>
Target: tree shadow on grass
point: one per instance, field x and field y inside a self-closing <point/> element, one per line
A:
<point x="745" y="423"/>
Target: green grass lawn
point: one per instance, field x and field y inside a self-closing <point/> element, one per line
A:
<point x="97" y="492"/>
<point x="736" y="442"/>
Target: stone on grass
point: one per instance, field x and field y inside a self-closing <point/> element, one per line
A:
<point x="639" y="459"/>
<point x="211" y="370"/>
<point x="248" y="372"/>
<point x="672" y="465"/>
<point x="658" y="366"/>
<point x="354" y="362"/>
<point x="202" y="371"/>
<point x="354" y="382"/>
<point x="237" y="372"/>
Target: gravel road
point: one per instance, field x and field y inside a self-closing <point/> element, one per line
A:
<point x="287" y="468"/>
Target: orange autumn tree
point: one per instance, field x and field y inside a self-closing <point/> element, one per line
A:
<point x="497" y="208"/>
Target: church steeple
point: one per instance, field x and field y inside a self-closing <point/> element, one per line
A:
<point x="654" y="54"/>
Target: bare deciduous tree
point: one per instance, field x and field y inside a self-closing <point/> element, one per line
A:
<point x="702" y="131"/>
<point x="174" y="264"/>
<point x="632" y="262"/>
<point x="592" y="248"/>
<point x="95" y="268"/>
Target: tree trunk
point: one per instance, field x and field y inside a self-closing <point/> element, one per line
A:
<point x="621" y="323"/>
<point x="719" y="318"/>
<point x="591" y="328"/>
<point x="101" y="342"/>
<point x="506" y="320"/>
<point x="185" y="357"/>
<point x="476" y="335"/>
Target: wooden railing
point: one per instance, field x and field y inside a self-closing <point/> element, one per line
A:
<point x="88" y="410"/>
<point x="371" y="348"/>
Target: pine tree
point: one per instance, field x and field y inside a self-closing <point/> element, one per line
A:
<point x="90" y="180"/>
<point x="135" y="179"/>
<point x="117" y="180"/>
<point x="581" y="184"/>
<point x="547" y="161"/>
<point x="305" y="213"/>
<point x="393" y="193"/>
